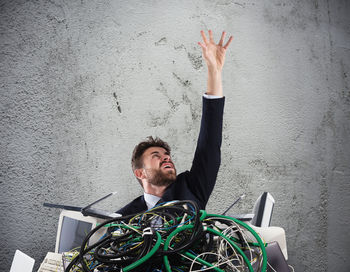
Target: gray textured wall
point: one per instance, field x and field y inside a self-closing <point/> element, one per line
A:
<point x="83" y="81"/>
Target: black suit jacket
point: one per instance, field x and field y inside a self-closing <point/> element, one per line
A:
<point x="198" y="183"/>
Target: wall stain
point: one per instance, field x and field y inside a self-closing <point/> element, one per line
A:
<point x="345" y="93"/>
<point x="196" y="60"/>
<point x="116" y="99"/>
<point x="291" y="15"/>
<point x="162" y="41"/>
<point x="54" y="18"/>
<point x="162" y="89"/>
<point x="240" y="4"/>
<point x="157" y="121"/>
<point x="185" y="83"/>
<point x="329" y="34"/>
<point x="327" y="122"/>
<point x="270" y="171"/>
<point x="323" y="209"/>
<point x="87" y="151"/>
<point x="298" y="136"/>
<point x="185" y="99"/>
<point x="193" y="108"/>
<point x="141" y="33"/>
<point x="172" y="103"/>
<point x="228" y="3"/>
<point x="181" y="46"/>
<point x="194" y="112"/>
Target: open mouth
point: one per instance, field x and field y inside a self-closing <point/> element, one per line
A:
<point x="167" y="166"/>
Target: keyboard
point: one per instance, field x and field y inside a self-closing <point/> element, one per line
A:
<point x="52" y="263"/>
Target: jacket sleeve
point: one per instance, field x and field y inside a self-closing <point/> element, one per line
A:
<point x="207" y="157"/>
<point x="136" y="206"/>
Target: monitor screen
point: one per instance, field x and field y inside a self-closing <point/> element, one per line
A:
<point x="262" y="210"/>
<point x="72" y="229"/>
<point x="73" y="232"/>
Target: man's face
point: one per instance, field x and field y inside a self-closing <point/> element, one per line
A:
<point x="158" y="166"/>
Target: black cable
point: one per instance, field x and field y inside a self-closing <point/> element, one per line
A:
<point x="83" y="252"/>
<point x="73" y="262"/>
<point x="197" y="230"/>
<point x="124" y="245"/>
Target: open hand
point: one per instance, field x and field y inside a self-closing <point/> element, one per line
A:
<point x="214" y="54"/>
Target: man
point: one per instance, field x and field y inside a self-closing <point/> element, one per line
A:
<point x="151" y="160"/>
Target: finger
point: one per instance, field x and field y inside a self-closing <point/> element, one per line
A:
<point x="203" y="36"/>
<point x="202" y="45"/>
<point x="211" y="36"/>
<point x="222" y="38"/>
<point x="228" y="43"/>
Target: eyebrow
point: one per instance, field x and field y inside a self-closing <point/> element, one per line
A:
<point x="157" y="152"/>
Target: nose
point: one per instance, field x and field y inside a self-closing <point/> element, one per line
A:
<point x="166" y="157"/>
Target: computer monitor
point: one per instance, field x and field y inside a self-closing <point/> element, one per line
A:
<point x="72" y="229"/>
<point x="263" y="210"/>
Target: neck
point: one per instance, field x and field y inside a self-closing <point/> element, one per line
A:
<point x="154" y="190"/>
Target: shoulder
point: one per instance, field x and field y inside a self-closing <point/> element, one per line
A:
<point x="135" y="206"/>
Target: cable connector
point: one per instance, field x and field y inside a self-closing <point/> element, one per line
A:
<point x="147" y="231"/>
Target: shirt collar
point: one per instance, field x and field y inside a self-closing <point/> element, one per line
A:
<point x="151" y="200"/>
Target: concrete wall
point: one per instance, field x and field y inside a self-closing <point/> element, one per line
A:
<point x="82" y="82"/>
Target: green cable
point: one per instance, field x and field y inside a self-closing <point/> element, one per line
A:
<point x="203" y="215"/>
<point x="168" y="224"/>
<point x="166" y="245"/>
<point x="167" y="242"/>
<point x="122" y="225"/>
<point x="260" y="242"/>
<point x="236" y="240"/>
<point x="146" y="257"/>
<point x="235" y="246"/>
<point x="203" y="262"/>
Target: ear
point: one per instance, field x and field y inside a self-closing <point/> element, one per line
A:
<point x="139" y="173"/>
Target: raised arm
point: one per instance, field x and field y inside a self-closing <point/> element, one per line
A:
<point x="214" y="56"/>
<point x="207" y="158"/>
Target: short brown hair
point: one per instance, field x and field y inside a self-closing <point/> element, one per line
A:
<point x="136" y="159"/>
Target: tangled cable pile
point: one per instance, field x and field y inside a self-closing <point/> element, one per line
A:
<point x="172" y="236"/>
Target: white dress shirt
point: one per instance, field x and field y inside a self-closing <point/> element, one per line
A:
<point x="151" y="200"/>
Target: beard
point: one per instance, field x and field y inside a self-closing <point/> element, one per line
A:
<point x="158" y="178"/>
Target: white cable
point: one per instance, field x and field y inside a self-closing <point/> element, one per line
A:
<point x="245" y="235"/>
<point x="271" y="267"/>
<point x="239" y="257"/>
<point x="131" y="227"/>
<point x="210" y="267"/>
